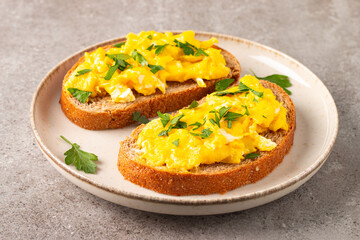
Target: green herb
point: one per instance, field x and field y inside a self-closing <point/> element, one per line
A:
<point x="163" y="133"/>
<point x="252" y="155"/>
<point x="281" y="80"/>
<point x="255" y="100"/>
<point x="120" y="64"/>
<point x="174" y="123"/>
<point x="140" y="118"/>
<point x="81" y="72"/>
<point x="193" y="104"/>
<point x="197" y="124"/>
<point x="164" y="118"/>
<point x="149" y="37"/>
<point x="139" y="58"/>
<point x="246" y="110"/>
<point x="111" y="72"/>
<point x="159" y="48"/>
<point x="82" y="160"/>
<point x="155" y="68"/>
<point x="264" y="116"/>
<point x="219" y="115"/>
<point x="80" y="95"/>
<point x="241" y="89"/>
<point x="118" y="56"/>
<point x="200" y="52"/>
<point x="176" y="142"/>
<point x="232" y="116"/>
<point x="205" y="133"/>
<point x="151" y="47"/>
<point x="119" y="45"/>
<point x="186" y="47"/>
<point x="244" y="88"/>
<point x="223" y="84"/>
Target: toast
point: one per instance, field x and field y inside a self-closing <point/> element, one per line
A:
<point x="101" y="112"/>
<point x="212" y="178"/>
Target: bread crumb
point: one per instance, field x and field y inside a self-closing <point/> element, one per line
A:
<point x="257" y="169"/>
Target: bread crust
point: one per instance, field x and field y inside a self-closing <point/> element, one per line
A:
<point x="101" y="113"/>
<point x="213" y="178"/>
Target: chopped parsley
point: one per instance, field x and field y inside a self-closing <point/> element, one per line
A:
<point x="232" y="116"/>
<point x="159" y="48"/>
<point x="205" y="133"/>
<point x="119" y="45"/>
<point x="223" y="84"/>
<point x="80" y="95"/>
<point x="155" y="68"/>
<point x="281" y="80"/>
<point x="164" y="118"/>
<point x="193" y="104"/>
<point x="82" y="160"/>
<point x="197" y="124"/>
<point x="149" y="37"/>
<point x="218" y="115"/>
<point x="241" y="89"/>
<point x="186" y="47"/>
<point x="140" y="118"/>
<point x="139" y="58"/>
<point x="252" y="155"/>
<point x="200" y="52"/>
<point x="120" y="63"/>
<point x="81" y="72"/>
<point x="174" y="123"/>
<point x="176" y="142"/>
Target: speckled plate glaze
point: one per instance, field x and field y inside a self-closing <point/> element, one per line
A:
<point x="317" y="125"/>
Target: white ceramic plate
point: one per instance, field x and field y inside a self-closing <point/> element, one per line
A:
<point x="317" y="125"/>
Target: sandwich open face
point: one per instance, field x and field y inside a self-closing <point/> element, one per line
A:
<point x="233" y="137"/>
<point x="149" y="72"/>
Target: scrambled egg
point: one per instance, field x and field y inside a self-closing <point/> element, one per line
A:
<point x="185" y="147"/>
<point x="151" y="59"/>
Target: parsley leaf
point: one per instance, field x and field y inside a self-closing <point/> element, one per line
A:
<point x="119" y="56"/>
<point x="150" y="47"/>
<point x="281" y="80"/>
<point x="159" y="48"/>
<point x="219" y="115"/>
<point x="140" y="118"/>
<point x="176" y="142"/>
<point x="120" y="64"/>
<point x="155" y="68"/>
<point x="200" y="52"/>
<point x="111" y="71"/>
<point x="138" y="57"/>
<point x="80" y="95"/>
<point x="193" y="104"/>
<point x="149" y="37"/>
<point x="186" y="47"/>
<point x="255" y="100"/>
<point x="252" y="155"/>
<point x="197" y="124"/>
<point x="82" y="160"/>
<point x="232" y="116"/>
<point x="81" y="72"/>
<point x="246" y="110"/>
<point x="205" y="133"/>
<point x="163" y="133"/>
<point x="119" y="45"/>
<point x="164" y="118"/>
<point x="223" y="84"/>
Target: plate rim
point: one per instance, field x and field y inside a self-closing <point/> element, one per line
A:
<point x="180" y="201"/>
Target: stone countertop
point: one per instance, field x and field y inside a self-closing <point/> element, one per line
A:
<point x="36" y="202"/>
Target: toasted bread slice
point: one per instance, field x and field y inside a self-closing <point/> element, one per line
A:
<point x="212" y="178"/>
<point x="102" y="113"/>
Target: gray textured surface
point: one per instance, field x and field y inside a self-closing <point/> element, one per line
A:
<point x="37" y="202"/>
